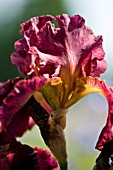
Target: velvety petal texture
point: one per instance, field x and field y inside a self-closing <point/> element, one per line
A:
<point x="6" y="87"/>
<point x="105" y="158"/>
<point x="14" y="111"/>
<point x="20" y="157"/>
<point x="45" y="49"/>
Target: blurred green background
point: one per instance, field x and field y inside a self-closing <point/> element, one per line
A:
<point x="85" y="119"/>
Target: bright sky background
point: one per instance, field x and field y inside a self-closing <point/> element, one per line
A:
<point x="9" y="10"/>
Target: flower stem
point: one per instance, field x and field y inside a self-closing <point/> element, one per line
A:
<point x="52" y="130"/>
<point x="63" y="166"/>
<point x="56" y="141"/>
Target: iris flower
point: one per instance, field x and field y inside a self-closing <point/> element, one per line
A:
<point x="63" y="60"/>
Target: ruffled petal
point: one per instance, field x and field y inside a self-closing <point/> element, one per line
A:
<point x="69" y="49"/>
<point x="81" y="45"/>
<point x="6" y="87"/>
<point x="24" y="157"/>
<point x="19" y="124"/>
<point x="21" y="121"/>
<point x="16" y="101"/>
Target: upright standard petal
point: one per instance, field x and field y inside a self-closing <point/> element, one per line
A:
<point x="72" y="45"/>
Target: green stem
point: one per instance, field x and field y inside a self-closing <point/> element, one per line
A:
<point x="52" y="130"/>
<point x="63" y="166"/>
